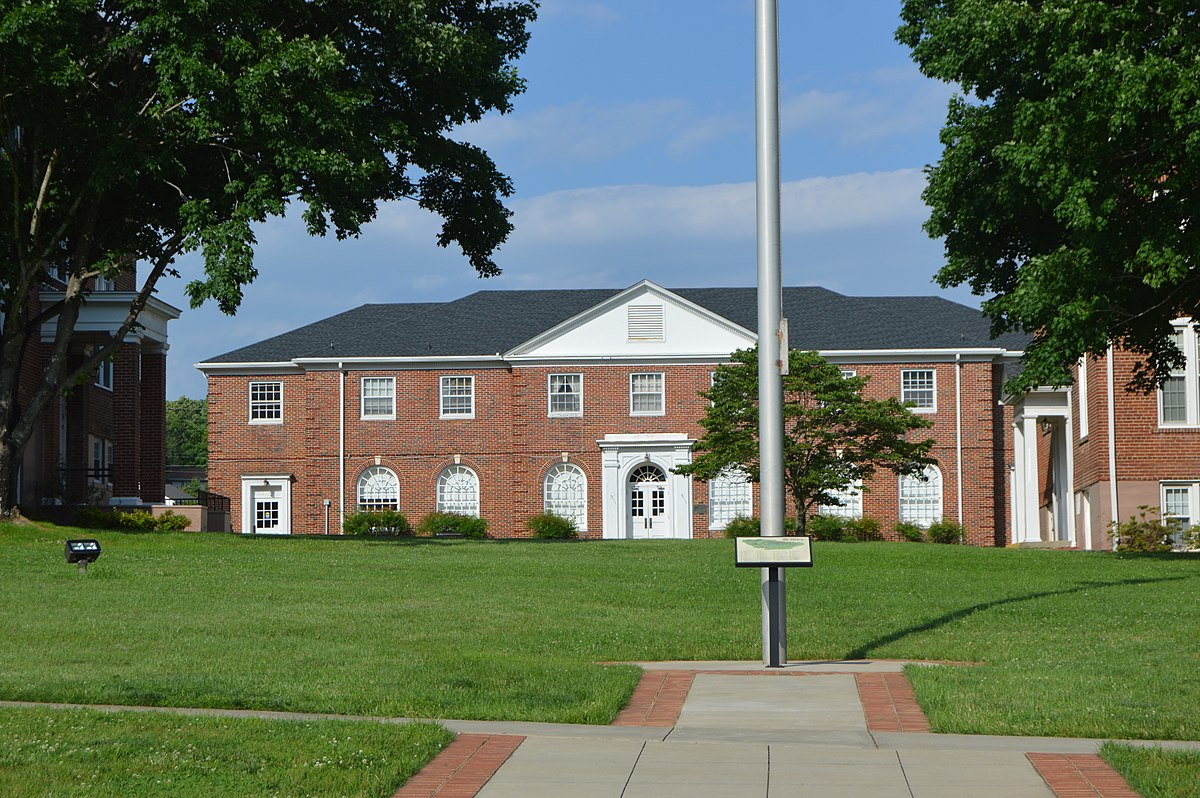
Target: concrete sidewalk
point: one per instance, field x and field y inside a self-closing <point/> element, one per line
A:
<point x="777" y="738"/>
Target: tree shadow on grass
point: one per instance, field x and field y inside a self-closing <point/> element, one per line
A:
<point x="863" y="651"/>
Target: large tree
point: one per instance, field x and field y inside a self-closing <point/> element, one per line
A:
<point x="1067" y="191"/>
<point x="187" y="432"/>
<point x="833" y="435"/>
<point x="132" y="131"/>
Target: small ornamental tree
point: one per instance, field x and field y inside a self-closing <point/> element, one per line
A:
<point x="833" y="435"/>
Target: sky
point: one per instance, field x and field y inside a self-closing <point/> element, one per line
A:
<point x="632" y="154"/>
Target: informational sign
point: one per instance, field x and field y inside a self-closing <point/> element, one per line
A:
<point x="773" y="552"/>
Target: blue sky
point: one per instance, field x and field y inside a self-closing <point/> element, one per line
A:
<point x="632" y="154"/>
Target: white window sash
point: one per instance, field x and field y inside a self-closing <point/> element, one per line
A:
<point x="377" y="400"/>
<point x="554" y="386"/>
<point x="457" y="397"/>
<point x="654" y="402"/>
<point x="267" y="407"/>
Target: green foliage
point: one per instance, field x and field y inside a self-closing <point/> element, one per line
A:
<point x="95" y="518"/>
<point x="170" y="521"/>
<point x="865" y="528"/>
<point x="1155" y="771"/>
<point x="826" y="527"/>
<point x="1069" y="177"/>
<point x="833" y="435"/>
<point x="138" y="132"/>
<point x="381" y="522"/>
<point x="945" y="530"/>
<point x="453" y="523"/>
<point x="742" y="527"/>
<point x="552" y="527"/>
<point x="910" y="532"/>
<point x="187" y="432"/>
<point x="1143" y="533"/>
<point x="844" y="530"/>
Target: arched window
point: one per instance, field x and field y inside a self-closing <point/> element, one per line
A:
<point x="921" y="500"/>
<point x="378" y="489"/>
<point x="729" y="496"/>
<point x="851" y="502"/>
<point x="458" y="491"/>
<point x="565" y="492"/>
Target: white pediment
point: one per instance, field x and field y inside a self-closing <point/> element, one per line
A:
<point x="644" y="321"/>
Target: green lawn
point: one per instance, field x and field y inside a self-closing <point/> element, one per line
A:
<point x="1154" y="772"/>
<point x="116" y="755"/>
<point x="1070" y="643"/>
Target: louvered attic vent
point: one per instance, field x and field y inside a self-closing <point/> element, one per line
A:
<point x="645" y="322"/>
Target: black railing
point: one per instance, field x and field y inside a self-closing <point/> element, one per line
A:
<point x="213" y="501"/>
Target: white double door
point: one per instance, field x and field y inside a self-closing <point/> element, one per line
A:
<point x="649" y="515"/>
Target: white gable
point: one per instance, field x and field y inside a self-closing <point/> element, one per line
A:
<point x="643" y="321"/>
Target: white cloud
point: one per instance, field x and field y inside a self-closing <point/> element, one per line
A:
<point x="855" y="201"/>
<point x="888" y="103"/>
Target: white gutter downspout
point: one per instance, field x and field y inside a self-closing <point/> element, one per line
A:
<point x="1112" y="450"/>
<point x="958" y="435"/>
<point x="341" y="448"/>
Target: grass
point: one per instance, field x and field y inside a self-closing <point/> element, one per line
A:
<point x="1155" y="772"/>
<point x="151" y="755"/>
<point x="1071" y="643"/>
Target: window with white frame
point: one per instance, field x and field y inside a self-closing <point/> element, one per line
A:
<point x="646" y="395"/>
<point x="458" y="491"/>
<point x="1179" y="395"/>
<point x="1180" y="504"/>
<point x="918" y="389"/>
<point x="730" y="496"/>
<point x="103" y="456"/>
<point x="379" y="398"/>
<point x="851" y="502"/>
<point x="104" y="374"/>
<point x="378" y="489"/>
<point x="565" y="494"/>
<point x="848" y="373"/>
<point x="105" y="284"/>
<point x="565" y="394"/>
<point x="266" y="403"/>
<point x="921" y="499"/>
<point x="458" y="397"/>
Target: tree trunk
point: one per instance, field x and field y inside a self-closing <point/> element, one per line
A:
<point x="10" y="460"/>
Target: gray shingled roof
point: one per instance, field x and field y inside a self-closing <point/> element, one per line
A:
<point x="488" y="322"/>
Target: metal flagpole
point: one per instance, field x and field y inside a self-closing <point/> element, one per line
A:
<point x="770" y="313"/>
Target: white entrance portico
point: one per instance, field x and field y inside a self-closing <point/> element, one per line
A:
<point x="1044" y="411"/>
<point x="642" y="498"/>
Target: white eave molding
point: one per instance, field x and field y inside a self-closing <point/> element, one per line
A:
<point x="104" y="311"/>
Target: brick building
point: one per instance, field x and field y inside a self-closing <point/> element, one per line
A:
<point x="104" y="440"/>
<point x="1082" y="450"/>
<point x="508" y="403"/>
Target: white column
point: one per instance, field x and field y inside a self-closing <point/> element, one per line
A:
<point x="1033" y="521"/>
<point x="1018" y="483"/>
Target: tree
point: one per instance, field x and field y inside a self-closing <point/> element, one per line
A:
<point x="1067" y="189"/>
<point x="137" y="130"/>
<point x="833" y="435"/>
<point x="187" y="432"/>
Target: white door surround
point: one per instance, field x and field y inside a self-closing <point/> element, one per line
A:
<point x="626" y="456"/>
<point x="267" y="504"/>
<point x="1037" y="412"/>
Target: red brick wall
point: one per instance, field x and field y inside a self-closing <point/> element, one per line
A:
<point x="511" y="442"/>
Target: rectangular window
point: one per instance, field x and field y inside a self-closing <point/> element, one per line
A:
<point x="1179" y="507"/>
<point x="646" y="395"/>
<point x="918" y="389"/>
<point x="458" y="397"/>
<point x="103" y="455"/>
<point x="105" y="284"/>
<point x="566" y="394"/>
<point x="104" y="375"/>
<point x="266" y="403"/>
<point x="1179" y="395"/>
<point x="379" y="397"/>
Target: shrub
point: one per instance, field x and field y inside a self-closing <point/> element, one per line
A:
<point x="455" y="523"/>
<point x="945" y="530"/>
<point x="865" y="528"/>
<point x="552" y="527"/>
<point x="170" y="521"/>
<point x="140" y="520"/>
<point x="96" y="518"/>
<point x="909" y="531"/>
<point x="382" y="522"/>
<point x="742" y="527"/>
<point x="828" y="527"/>
<point x="1141" y="533"/>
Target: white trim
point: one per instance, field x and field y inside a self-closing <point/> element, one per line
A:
<point x="282" y="482"/>
<point x="263" y="403"/>
<point x="550" y="411"/>
<point x="1115" y="512"/>
<point x="933" y="389"/>
<point x="620" y="454"/>
<point x="1190" y="374"/>
<point x="958" y="442"/>
<point x="1081" y="394"/>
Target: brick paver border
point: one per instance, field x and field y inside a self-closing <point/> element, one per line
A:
<point x="657" y="699"/>
<point x="462" y="768"/>
<point x="1080" y="776"/>
<point x="889" y="703"/>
